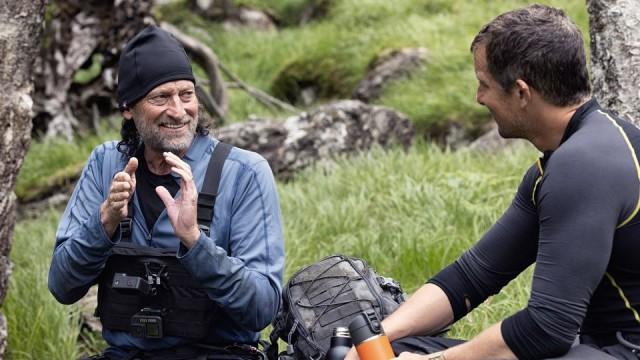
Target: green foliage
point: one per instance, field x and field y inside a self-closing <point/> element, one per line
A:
<point x="287" y="13"/>
<point x="408" y="214"/>
<point x="340" y="45"/>
<point x="39" y="327"/>
<point x="324" y="77"/>
<point x="50" y="164"/>
<point x="84" y="76"/>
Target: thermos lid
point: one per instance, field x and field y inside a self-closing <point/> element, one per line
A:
<point x="341" y="331"/>
<point x="365" y="326"/>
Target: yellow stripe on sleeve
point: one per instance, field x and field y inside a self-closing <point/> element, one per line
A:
<point x="635" y="162"/>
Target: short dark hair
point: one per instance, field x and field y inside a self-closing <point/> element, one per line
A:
<point x="540" y="45"/>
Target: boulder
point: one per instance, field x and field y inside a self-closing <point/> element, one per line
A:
<point x="340" y="128"/>
<point x="389" y="66"/>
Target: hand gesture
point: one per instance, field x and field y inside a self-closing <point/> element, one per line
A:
<point x="115" y="207"/>
<point x="182" y="210"/>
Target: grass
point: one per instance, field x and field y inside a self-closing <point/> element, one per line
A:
<point x="352" y="34"/>
<point x="407" y="214"/>
<point x="50" y="164"/>
<point x="39" y="327"/>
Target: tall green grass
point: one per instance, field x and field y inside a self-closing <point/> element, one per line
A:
<point x="408" y="214"/>
<point x="52" y="163"/>
<point x="39" y="327"/>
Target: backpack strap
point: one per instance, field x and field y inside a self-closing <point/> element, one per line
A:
<point x="207" y="196"/>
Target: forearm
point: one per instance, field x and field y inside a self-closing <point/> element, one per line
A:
<point x="426" y="312"/>
<point x="78" y="259"/>
<point x="249" y="295"/>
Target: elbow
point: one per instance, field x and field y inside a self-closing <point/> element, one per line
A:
<point x="265" y="307"/>
<point x="63" y="296"/>
<point x="559" y="348"/>
<point x="531" y="336"/>
<point x="265" y="314"/>
<point x="59" y="296"/>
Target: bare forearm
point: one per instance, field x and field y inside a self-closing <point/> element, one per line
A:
<point x="426" y="312"/>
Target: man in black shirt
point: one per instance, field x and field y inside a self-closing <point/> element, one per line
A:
<point x="575" y="214"/>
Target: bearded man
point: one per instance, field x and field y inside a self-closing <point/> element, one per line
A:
<point x="179" y="277"/>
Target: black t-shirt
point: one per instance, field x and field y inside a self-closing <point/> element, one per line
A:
<point x="146" y="183"/>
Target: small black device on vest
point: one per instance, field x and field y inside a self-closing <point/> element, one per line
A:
<point x="146" y="291"/>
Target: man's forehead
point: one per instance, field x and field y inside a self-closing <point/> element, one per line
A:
<point x="173" y="85"/>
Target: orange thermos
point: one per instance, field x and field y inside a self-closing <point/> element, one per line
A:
<point x="369" y="339"/>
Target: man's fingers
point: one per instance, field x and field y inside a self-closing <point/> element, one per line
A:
<point x="164" y="195"/>
<point x="121" y="186"/>
<point x="119" y="196"/>
<point x="131" y="167"/>
<point x="175" y="161"/>
<point x="185" y="175"/>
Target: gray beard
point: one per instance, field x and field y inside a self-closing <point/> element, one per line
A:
<point x="153" y="138"/>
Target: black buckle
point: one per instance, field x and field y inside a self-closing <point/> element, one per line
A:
<point x="126" y="225"/>
<point x="205" y="211"/>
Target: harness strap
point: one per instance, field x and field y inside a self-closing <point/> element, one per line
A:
<point x="207" y="196"/>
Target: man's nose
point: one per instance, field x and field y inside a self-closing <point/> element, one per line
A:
<point x="479" y="98"/>
<point x="175" y="108"/>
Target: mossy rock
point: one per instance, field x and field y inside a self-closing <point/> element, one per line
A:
<point x="324" y="77"/>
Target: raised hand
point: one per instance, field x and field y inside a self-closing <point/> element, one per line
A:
<point x="115" y="207"/>
<point x="182" y="210"/>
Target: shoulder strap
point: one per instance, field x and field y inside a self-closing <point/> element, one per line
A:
<point x="207" y="196"/>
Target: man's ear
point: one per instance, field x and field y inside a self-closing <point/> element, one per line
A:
<point x="127" y="114"/>
<point x="523" y="91"/>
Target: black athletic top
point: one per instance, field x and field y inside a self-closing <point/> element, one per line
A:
<point x="146" y="183"/>
<point x="576" y="216"/>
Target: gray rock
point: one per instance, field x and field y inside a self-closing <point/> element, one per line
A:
<point x="343" y="127"/>
<point x="492" y="141"/>
<point x="389" y="66"/>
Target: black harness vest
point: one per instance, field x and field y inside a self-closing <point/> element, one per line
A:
<point x="146" y="291"/>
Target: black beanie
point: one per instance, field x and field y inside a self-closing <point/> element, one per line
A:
<point x="151" y="58"/>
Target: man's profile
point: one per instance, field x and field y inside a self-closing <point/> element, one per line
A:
<point x="575" y="213"/>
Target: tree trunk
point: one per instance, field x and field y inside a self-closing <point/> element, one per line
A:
<point x="77" y="68"/>
<point x="615" y="55"/>
<point x="20" y="31"/>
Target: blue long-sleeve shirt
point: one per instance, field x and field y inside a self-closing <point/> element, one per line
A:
<point x="241" y="264"/>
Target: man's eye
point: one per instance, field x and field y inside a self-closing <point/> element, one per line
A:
<point x="159" y="99"/>
<point x="186" y="95"/>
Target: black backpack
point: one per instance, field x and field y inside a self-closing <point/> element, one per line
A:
<point x="323" y="296"/>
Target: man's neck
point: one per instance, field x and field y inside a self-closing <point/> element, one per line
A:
<point x="156" y="162"/>
<point x="553" y="122"/>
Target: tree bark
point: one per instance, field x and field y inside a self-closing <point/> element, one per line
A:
<point x="615" y="55"/>
<point x="20" y="31"/>
<point x="89" y="34"/>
